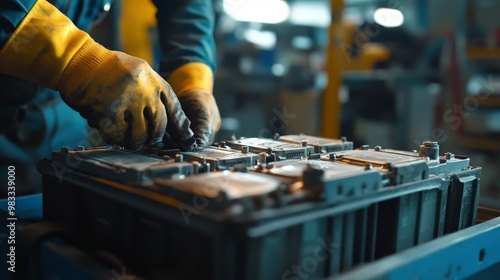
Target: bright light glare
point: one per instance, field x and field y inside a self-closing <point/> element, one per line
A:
<point x="265" y="11"/>
<point x="388" y="17"/>
<point x="311" y="13"/>
<point x="263" y="39"/>
<point x="278" y="69"/>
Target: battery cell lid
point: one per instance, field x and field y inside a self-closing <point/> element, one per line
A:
<point x="218" y="153"/>
<point x="223" y="185"/>
<point x="377" y="158"/>
<point x="121" y="165"/>
<point x="311" y="140"/>
<point x="262" y="143"/>
<point x="295" y="168"/>
<point x="121" y="158"/>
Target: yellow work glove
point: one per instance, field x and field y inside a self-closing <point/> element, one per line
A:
<point x="119" y="94"/>
<point x="193" y="84"/>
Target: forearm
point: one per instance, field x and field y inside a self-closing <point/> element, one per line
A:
<point x="186" y="33"/>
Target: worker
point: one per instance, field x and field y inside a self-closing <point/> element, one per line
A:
<point x="42" y="52"/>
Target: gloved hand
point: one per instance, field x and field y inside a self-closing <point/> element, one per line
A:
<point x="193" y="84"/>
<point x="117" y="93"/>
<point x="123" y="97"/>
<point x="200" y="107"/>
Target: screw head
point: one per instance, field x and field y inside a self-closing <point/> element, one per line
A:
<point x="245" y="149"/>
<point x="377" y="148"/>
<point x="179" y="158"/>
<point x="303" y="143"/>
<point x="65" y="149"/>
<point x="80" y="148"/>
<point x="262" y="157"/>
<point x="332" y="156"/>
<point x="431" y="144"/>
<point x="368" y="166"/>
<point x="449" y="155"/>
<point x="389" y="166"/>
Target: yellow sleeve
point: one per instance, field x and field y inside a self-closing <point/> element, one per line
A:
<point x="190" y="76"/>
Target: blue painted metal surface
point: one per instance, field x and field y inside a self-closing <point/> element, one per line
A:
<point x="56" y="259"/>
<point x="472" y="253"/>
<point x="27" y="207"/>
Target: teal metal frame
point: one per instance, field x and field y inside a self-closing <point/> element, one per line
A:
<point x="471" y="253"/>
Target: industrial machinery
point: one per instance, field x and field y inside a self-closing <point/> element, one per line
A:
<point x="253" y="208"/>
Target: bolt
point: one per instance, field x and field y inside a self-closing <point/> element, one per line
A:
<point x="223" y="144"/>
<point x="377" y="148"/>
<point x="179" y="158"/>
<point x="449" y="155"/>
<point x="64" y="149"/>
<point x="276" y="136"/>
<point x="431" y="144"/>
<point x="429" y="149"/>
<point x="206" y="167"/>
<point x="312" y="176"/>
<point x="245" y="149"/>
<point x="365" y="147"/>
<point x="332" y="156"/>
<point x="80" y="148"/>
<point x="262" y="157"/>
<point x="368" y="166"/>
<point x="196" y="167"/>
<point x="304" y="143"/>
<point x="343" y="138"/>
<point x="389" y="166"/>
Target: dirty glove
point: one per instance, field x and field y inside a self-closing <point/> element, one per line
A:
<point x="117" y="93"/>
<point x="193" y="84"/>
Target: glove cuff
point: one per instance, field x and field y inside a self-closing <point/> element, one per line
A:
<point x="41" y="46"/>
<point x="191" y="76"/>
<point x="84" y="67"/>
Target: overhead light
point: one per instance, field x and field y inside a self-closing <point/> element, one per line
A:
<point x="302" y="42"/>
<point x="388" y="17"/>
<point x="263" y="39"/>
<point x="310" y="13"/>
<point x="264" y="11"/>
<point x="278" y="70"/>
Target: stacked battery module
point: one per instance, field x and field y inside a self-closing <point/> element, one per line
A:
<point x="254" y="208"/>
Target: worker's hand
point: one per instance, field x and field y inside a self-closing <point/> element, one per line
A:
<point x="201" y="108"/>
<point x="123" y="97"/>
<point x="119" y="94"/>
<point x="193" y="84"/>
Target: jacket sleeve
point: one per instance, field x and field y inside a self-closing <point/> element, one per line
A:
<point x="186" y="33"/>
<point x="81" y="12"/>
<point x="12" y="13"/>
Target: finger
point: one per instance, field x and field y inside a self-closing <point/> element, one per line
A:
<point x="157" y="123"/>
<point x="203" y="132"/>
<point x="113" y="130"/>
<point x="178" y="124"/>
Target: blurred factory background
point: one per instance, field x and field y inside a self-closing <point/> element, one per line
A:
<point x="389" y="73"/>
